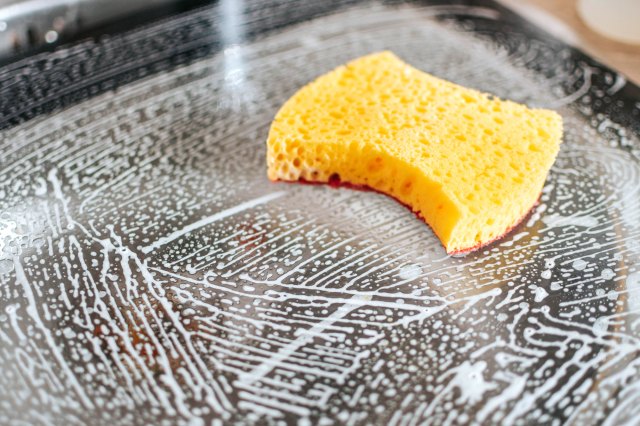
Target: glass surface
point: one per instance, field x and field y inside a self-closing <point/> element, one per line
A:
<point x="150" y="273"/>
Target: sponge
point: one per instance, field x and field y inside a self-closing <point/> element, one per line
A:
<point x="471" y="165"/>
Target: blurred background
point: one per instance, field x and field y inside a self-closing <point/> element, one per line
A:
<point x="29" y="26"/>
<point x="608" y="30"/>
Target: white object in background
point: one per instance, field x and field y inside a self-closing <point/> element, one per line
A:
<point x="616" y="19"/>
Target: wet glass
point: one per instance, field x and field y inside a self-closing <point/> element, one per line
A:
<point x="150" y="272"/>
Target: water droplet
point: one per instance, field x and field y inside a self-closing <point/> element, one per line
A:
<point x="607" y="274"/>
<point x="6" y="266"/>
<point x="540" y="294"/>
<point x="410" y="272"/>
<point x="579" y="264"/>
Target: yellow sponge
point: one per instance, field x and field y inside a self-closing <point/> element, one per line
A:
<point x="470" y="165"/>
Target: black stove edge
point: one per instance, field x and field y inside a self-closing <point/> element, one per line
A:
<point x="114" y="55"/>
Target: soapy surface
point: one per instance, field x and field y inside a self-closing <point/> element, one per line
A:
<point x="150" y="273"/>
